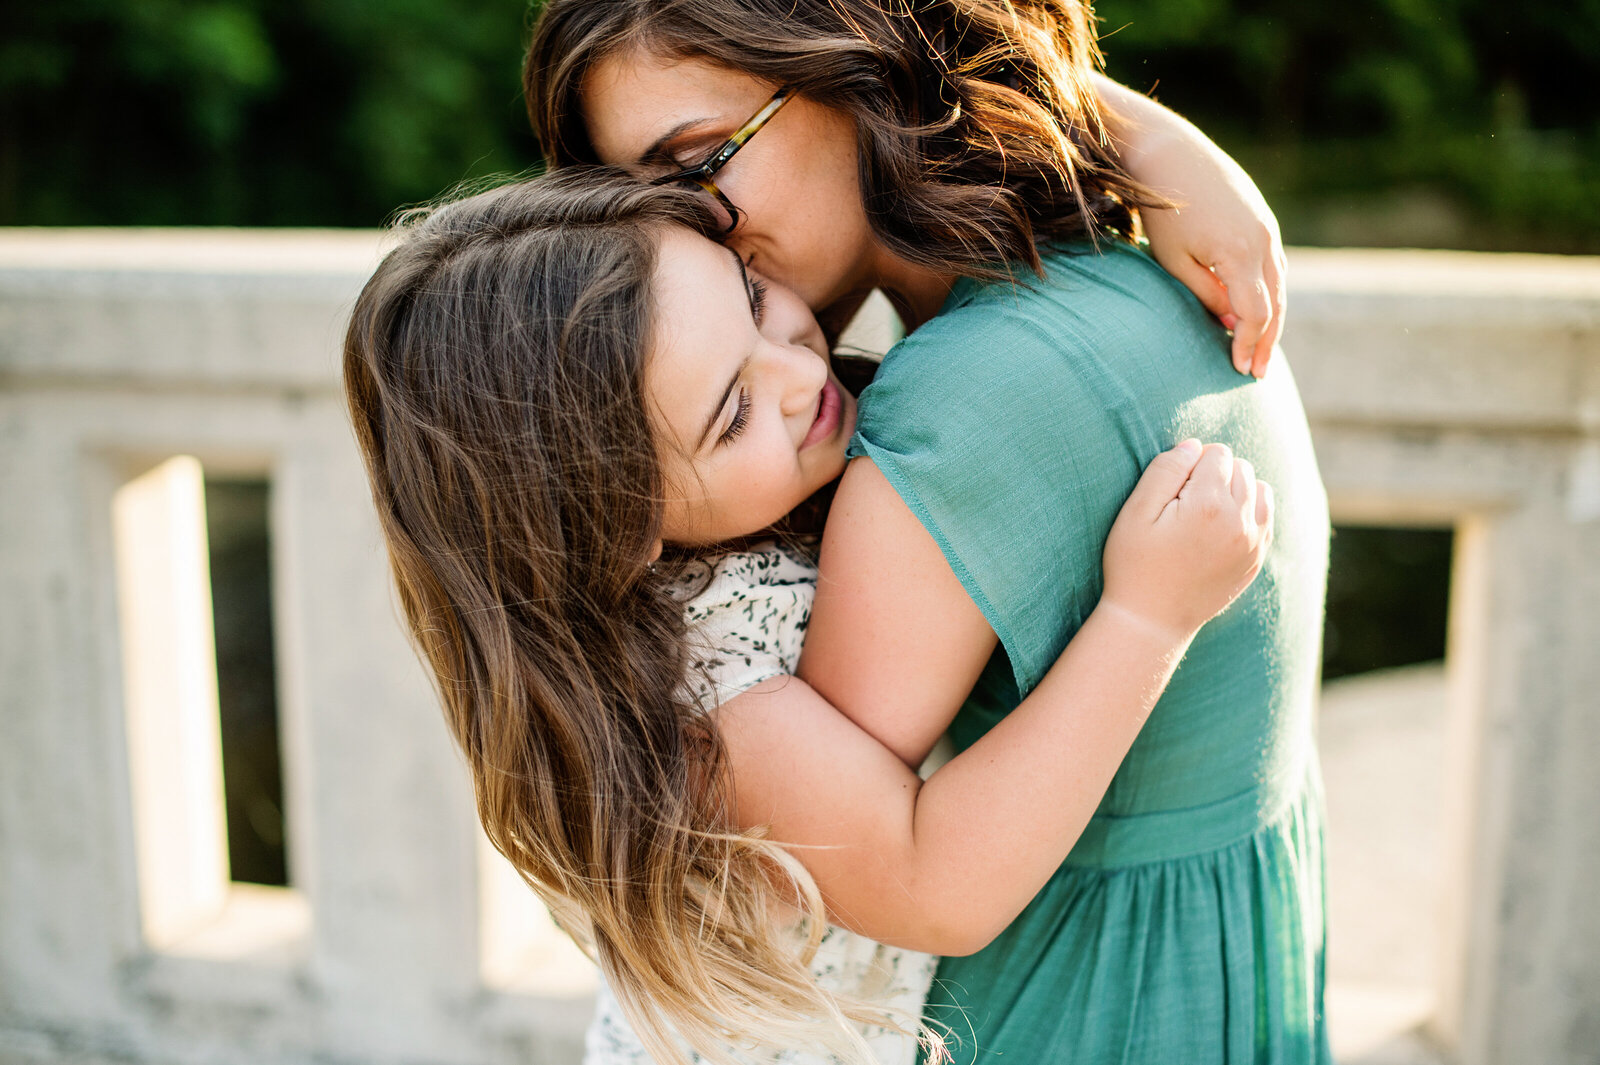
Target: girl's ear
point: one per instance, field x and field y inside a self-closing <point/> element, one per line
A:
<point x="655" y="553"/>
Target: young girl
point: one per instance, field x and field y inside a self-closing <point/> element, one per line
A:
<point x="582" y="420"/>
<point x="936" y="150"/>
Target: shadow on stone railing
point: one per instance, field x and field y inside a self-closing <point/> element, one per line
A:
<point x="1444" y="389"/>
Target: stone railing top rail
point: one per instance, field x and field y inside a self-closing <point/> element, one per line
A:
<point x="250" y="252"/>
<point x="220" y="251"/>
<point x="1406" y="338"/>
<point x="1405" y="273"/>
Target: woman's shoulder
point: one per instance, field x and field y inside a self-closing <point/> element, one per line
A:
<point x="1078" y="282"/>
<point x="1093" y="305"/>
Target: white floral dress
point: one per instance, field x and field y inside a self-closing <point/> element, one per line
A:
<point x="748" y="621"/>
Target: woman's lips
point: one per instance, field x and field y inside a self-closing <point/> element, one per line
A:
<point x="829" y="404"/>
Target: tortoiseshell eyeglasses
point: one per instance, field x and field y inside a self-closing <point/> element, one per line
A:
<point x="701" y="176"/>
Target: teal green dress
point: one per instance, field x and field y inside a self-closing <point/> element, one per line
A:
<point x="1186" y="927"/>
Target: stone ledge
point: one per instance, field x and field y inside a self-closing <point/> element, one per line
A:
<point x="1413" y="339"/>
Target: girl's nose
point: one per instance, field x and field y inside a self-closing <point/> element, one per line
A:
<point x="804" y="373"/>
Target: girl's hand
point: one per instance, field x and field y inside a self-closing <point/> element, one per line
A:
<point x="1220" y="238"/>
<point x="1191" y="537"/>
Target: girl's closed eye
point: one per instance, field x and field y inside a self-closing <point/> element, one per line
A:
<point x="758" y="299"/>
<point x="755" y="289"/>
<point x="741" y="418"/>
<point x="758" y="304"/>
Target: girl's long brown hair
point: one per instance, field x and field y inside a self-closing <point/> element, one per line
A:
<point x="493" y="369"/>
<point x="979" y="130"/>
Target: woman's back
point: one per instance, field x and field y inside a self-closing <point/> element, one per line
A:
<point x="1187" y="922"/>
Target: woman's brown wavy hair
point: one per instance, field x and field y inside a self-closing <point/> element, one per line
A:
<point x="980" y="134"/>
<point x="494" y="370"/>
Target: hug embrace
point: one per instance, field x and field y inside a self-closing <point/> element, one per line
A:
<point x="698" y="611"/>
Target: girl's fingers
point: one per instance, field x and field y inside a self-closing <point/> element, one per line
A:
<point x="1246" y="295"/>
<point x="1197" y="278"/>
<point x="1244" y="485"/>
<point x="1266" y="504"/>
<point x="1277" y="287"/>
<point x="1166" y="476"/>
<point x="1250" y="300"/>
<point x="1213" y="474"/>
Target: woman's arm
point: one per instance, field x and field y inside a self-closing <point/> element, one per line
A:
<point x="1220" y="239"/>
<point x="943" y="866"/>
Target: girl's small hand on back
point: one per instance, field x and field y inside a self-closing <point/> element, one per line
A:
<point x="1190" y="538"/>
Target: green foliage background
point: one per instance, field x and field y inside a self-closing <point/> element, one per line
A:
<point x="1458" y="123"/>
<point x="253" y="112"/>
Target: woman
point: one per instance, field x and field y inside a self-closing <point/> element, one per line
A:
<point x="597" y="91"/>
<point x="930" y="150"/>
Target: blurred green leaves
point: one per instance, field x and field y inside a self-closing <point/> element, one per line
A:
<point x="250" y="112"/>
<point x="1462" y="123"/>
<point x="1457" y="122"/>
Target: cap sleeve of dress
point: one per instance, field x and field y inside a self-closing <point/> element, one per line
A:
<point x="747" y="622"/>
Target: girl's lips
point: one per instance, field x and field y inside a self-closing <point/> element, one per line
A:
<point x="829" y="404"/>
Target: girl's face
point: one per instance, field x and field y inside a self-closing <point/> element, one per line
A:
<point x="795" y="181"/>
<point x="752" y="421"/>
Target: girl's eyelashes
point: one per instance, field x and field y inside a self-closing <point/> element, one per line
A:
<point x="757" y="291"/>
<point x="758" y="299"/>
<point x="741" y="418"/>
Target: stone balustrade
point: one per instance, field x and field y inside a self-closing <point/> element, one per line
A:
<point x="1445" y="389"/>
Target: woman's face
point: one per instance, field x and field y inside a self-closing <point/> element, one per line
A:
<point x="795" y="181"/>
<point x="751" y="420"/>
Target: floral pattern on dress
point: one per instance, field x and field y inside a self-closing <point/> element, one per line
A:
<point x="747" y="614"/>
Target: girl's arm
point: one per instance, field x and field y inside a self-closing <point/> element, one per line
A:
<point x="944" y="866"/>
<point x="1220" y="239"/>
